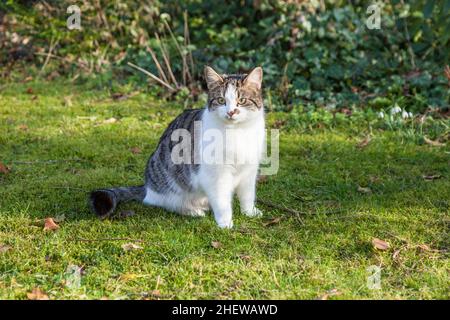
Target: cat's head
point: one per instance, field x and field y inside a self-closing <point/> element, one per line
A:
<point x="235" y="98"/>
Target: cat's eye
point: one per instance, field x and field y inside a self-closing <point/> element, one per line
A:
<point x="221" y="100"/>
<point x="242" y="101"/>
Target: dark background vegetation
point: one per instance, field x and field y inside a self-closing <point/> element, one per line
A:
<point x="316" y="54"/>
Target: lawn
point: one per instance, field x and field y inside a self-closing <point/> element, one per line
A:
<point x="60" y="141"/>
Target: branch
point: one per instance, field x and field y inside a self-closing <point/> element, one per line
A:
<point x="151" y="75"/>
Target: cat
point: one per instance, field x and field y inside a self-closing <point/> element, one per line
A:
<point x="235" y="105"/>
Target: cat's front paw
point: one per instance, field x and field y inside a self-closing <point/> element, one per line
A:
<point x="253" y="212"/>
<point x="225" y="224"/>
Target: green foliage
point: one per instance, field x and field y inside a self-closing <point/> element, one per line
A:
<point x="312" y="54"/>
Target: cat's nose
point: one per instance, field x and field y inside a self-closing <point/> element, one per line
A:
<point x="232" y="112"/>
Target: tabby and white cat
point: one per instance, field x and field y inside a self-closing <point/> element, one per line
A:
<point x="234" y="104"/>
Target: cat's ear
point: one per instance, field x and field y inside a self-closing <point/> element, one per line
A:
<point x="213" y="79"/>
<point x="254" y="78"/>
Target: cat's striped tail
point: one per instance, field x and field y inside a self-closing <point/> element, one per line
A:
<point x="104" y="201"/>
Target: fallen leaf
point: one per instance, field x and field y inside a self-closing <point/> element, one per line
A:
<point x="380" y="244"/>
<point x="272" y="222"/>
<point x="423" y="247"/>
<point x="216" y="244"/>
<point x="364" y="190"/>
<point x="329" y="293"/>
<point x="131" y="246"/>
<point x="28" y="79"/>
<point x="245" y="257"/>
<point x="4" y="169"/>
<point x="49" y="224"/>
<point x="136" y="150"/>
<point x="155" y="293"/>
<point x="110" y="120"/>
<point x="431" y="177"/>
<point x="30" y="90"/>
<point x="395" y="255"/>
<point x="22" y="127"/>
<point x="34" y="97"/>
<point x="433" y="143"/>
<point x="4" y="248"/>
<point x="364" y="142"/>
<point x="37" y="294"/>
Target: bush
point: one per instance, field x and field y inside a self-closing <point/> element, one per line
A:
<point x="314" y="53"/>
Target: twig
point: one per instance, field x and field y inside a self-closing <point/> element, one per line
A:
<point x="61" y="58"/>
<point x="293" y="211"/>
<point x="188" y="42"/>
<point x="158" y="65"/>
<point x="151" y="75"/>
<point x="69" y="188"/>
<point x="105" y="239"/>
<point x="47" y="59"/>
<point x="182" y="55"/>
<point x="277" y="206"/>
<point x="166" y="60"/>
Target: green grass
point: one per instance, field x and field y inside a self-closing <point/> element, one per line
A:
<point x="320" y="170"/>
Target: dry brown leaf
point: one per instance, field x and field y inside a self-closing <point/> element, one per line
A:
<point x="50" y="225"/>
<point x="28" y="79"/>
<point x="380" y="244"/>
<point x="30" y="90"/>
<point x="22" y="127"/>
<point x="131" y="246"/>
<point x="4" y="248"/>
<point x="272" y="222"/>
<point x="423" y="247"/>
<point x="396" y="254"/>
<point x="433" y="143"/>
<point x="4" y="169"/>
<point x="37" y="294"/>
<point x="155" y="293"/>
<point x="364" y="142"/>
<point x="330" y="293"/>
<point x="245" y="257"/>
<point x="364" y="190"/>
<point x="216" y="244"/>
<point x="431" y="177"/>
<point x="136" y="150"/>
